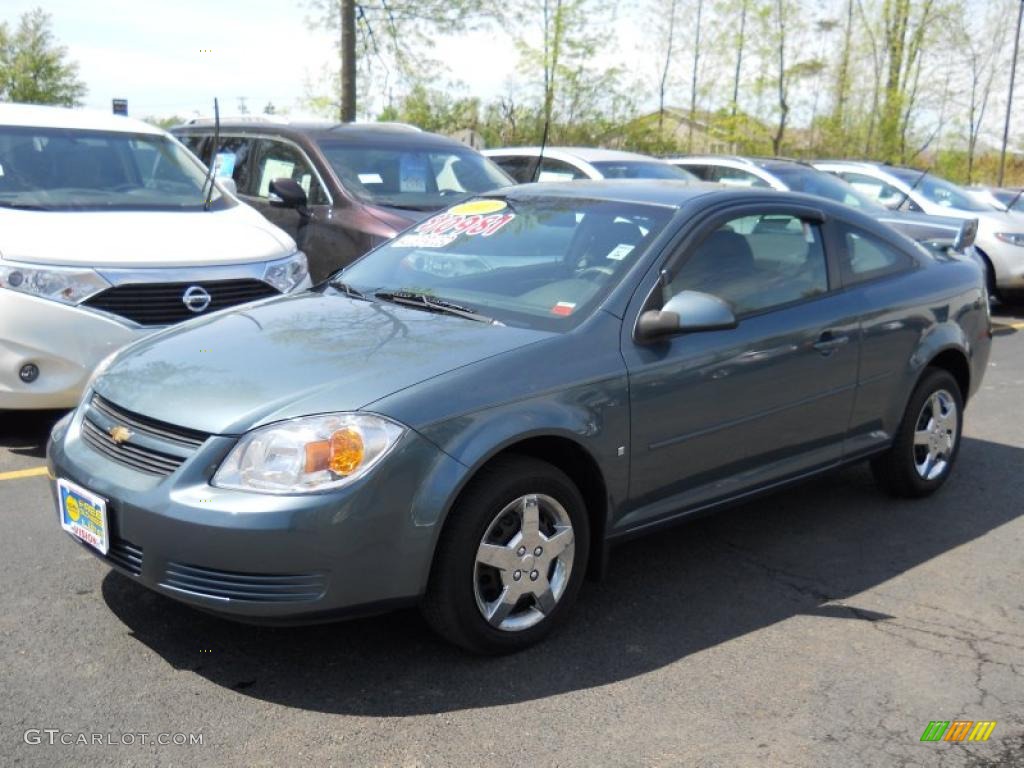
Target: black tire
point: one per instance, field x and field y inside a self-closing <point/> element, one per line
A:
<point x="450" y="604"/>
<point x="896" y="470"/>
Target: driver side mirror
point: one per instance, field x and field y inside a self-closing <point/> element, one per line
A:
<point x="686" y="312"/>
<point x="286" y="193"/>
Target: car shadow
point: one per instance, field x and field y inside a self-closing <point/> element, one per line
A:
<point x="665" y="597"/>
<point x="25" y="432"/>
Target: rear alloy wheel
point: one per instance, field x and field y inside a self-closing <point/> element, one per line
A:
<point x="511" y="557"/>
<point x="928" y="440"/>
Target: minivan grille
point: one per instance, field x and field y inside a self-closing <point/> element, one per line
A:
<point x="251" y="587"/>
<point x="180" y="443"/>
<point x="164" y="303"/>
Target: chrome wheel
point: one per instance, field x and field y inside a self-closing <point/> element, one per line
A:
<point x="524" y="562"/>
<point x="935" y="435"/>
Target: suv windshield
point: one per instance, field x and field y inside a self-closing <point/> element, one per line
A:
<point x="641" y="169"/>
<point x="538" y="263"/>
<point x="419" y="179"/>
<point x="821" y="184"/>
<point x="939" y="191"/>
<point x="62" y="169"/>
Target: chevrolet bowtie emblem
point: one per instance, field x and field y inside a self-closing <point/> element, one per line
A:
<point x="120" y="434"/>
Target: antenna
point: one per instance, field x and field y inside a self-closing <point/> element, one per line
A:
<point x="535" y="174"/>
<point x="213" y="158"/>
<point x="906" y="195"/>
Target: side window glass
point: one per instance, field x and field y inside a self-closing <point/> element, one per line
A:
<point x="232" y="160"/>
<point x="278" y="160"/>
<point x="734" y="177"/>
<point x="702" y="172"/>
<point x="866" y="257"/>
<point x="756" y="263"/>
<point x="874" y="188"/>
<point x="556" y="170"/>
<point x="195" y="145"/>
<point x="517" y="167"/>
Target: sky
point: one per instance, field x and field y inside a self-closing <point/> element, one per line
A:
<point x="173" y="58"/>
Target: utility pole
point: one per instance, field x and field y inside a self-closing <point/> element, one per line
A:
<point x="347" y="11"/>
<point x="1009" y="97"/>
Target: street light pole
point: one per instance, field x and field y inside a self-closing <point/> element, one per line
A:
<point x="1009" y="97"/>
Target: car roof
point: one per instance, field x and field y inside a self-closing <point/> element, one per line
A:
<point x="586" y="154"/>
<point x="320" y="130"/>
<point x="38" y="116"/>
<point x="768" y="163"/>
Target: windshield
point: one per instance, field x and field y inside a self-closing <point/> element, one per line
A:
<point x="939" y="191"/>
<point x="814" y="182"/>
<point x="62" y="169"/>
<point x="537" y="263"/>
<point x="641" y="169"/>
<point x="420" y="179"/>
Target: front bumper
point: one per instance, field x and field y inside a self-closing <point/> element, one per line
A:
<point x="1007" y="261"/>
<point x="64" y="342"/>
<point x="262" y="558"/>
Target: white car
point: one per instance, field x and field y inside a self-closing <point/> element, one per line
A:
<point x="1000" y="239"/>
<point x="525" y="164"/>
<point x="109" y="231"/>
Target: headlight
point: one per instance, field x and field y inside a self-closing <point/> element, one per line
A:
<point x="67" y="285"/>
<point x="1013" y="238"/>
<point x="313" y="453"/>
<point x="286" y="274"/>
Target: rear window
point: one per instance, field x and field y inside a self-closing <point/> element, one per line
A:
<point x="641" y="169"/>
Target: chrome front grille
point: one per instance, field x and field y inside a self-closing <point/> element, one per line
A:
<point x="165" y="303"/>
<point x="250" y="587"/>
<point x="152" y="447"/>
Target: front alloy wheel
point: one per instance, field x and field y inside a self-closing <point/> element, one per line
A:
<point x="524" y="562"/>
<point x="511" y="557"/>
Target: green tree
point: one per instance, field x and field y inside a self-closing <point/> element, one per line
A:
<point x="34" y="68"/>
<point x="388" y="39"/>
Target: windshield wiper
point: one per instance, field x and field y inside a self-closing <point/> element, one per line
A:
<point x="340" y="285"/>
<point x="424" y="301"/>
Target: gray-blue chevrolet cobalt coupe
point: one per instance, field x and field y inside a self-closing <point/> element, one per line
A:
<point x="469" y="416"/>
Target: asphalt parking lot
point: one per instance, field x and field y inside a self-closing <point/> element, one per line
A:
<point x="823" y="626"/>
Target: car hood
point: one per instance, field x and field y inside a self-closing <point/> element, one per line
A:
<point x="137" y="239"/>
<point x="293" y="356"/>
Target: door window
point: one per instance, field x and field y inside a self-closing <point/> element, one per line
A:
<point x="866" y="257"/>
<point x="278" y="160"/>
<point x="558" y="170"/>
<point x="757" y="263"/>
<point x="734" y="177"/>
<point x="516" y="166"/>
<point x="876" y="189"/>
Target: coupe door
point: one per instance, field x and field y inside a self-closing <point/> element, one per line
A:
<point x="720" y="413"/>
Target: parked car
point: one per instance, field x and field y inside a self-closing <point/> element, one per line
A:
<point x="108" y="230"/>
<point x="1000" y="198"/>
<point x="526" y="164"/>
<point x="937" y="232"/>
<point x="360" y="183"/>
<point x="1000" y="239"/>
<point x="468" y="416"/>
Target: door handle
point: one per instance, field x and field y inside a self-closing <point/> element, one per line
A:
<point x="829" y="342"/>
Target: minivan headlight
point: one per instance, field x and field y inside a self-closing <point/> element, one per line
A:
<point x="68" y="285"/>
<point x="308" y="454"/>
<point x="1013" y="238"/>
<point x="286" y="274"/>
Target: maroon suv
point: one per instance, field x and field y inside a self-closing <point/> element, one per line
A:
<point x="356" y="184"/>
